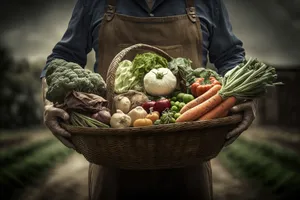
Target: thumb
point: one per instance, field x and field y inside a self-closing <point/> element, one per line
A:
<point x="241" y="107"/>
<point x="61" y="113"/>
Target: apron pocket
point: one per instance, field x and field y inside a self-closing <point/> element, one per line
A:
<point x="172" y="50"/>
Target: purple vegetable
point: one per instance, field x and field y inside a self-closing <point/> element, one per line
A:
<point x="102" y="116"/>
<point x="161" y="105"/>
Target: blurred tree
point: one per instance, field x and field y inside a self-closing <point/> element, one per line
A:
<point x="19" y="90"/>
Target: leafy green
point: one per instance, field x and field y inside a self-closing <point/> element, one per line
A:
<point x="206" y="73"/>
<point x="63" y="77"/>
<point x="182" y="69"/>
<point x="130" y="75"/>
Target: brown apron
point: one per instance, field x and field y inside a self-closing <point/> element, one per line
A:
<point x="179" y="36"/>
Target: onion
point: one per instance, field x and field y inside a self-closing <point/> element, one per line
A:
<point x="102" y="116"/>
<point x="122" y="103"/>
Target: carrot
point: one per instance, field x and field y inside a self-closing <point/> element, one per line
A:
<point x="195" y="85"/>
<point x="219" y="110"/>
<point x="201" y="109"/>
<point x="212" y="91"/>
<point x="201" y="89"/>
<point x="214" y="81"/>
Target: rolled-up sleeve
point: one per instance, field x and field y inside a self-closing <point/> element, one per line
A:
<point x="226" y="50"/>
<point x="75" y="43"/>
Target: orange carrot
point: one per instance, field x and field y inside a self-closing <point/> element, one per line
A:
<point x="212" y="91"/>
<point x="201" y="89"/>
<point x="195" y="85"/>
<point x="200" y="110"/>
<point x="219" y="110"/>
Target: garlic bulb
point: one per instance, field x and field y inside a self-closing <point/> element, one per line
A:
<point x="120" y="120"/>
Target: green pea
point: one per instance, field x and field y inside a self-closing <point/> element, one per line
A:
<point x="174" y="108"/>
<point x="177" y="103"/>
<point x="173" y="99"/>
<point x="181" y="105"/>
<point x="172" y="103"/>
<point x="176" y="115"/>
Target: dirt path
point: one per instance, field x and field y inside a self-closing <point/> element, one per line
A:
<point x="226" y="186"/>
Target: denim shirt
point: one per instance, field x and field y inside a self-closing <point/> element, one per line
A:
<point x="220" y="45"/>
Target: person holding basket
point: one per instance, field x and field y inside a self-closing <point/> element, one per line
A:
<point x="195" y="29"/>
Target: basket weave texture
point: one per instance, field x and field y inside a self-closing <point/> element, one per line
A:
<point x="153" y="147"/>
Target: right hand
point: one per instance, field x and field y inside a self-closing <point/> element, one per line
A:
<point x="51" y="115"/>
<point x="249" y="108"/>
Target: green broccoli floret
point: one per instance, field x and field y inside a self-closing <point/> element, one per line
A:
<point x="63" y="77"/>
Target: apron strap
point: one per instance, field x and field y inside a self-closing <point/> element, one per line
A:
<point x="111" y="10"/>
<point x="112" y="2"/>
<point x="189" y="3"/>
<point x="191" y="10"/>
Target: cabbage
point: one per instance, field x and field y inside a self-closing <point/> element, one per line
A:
<point x="125" y="80"/>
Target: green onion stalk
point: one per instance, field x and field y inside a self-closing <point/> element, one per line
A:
<point x="78" y="119"/>
<point x="248" y="80"/>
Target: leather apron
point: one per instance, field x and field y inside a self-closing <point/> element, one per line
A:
<point x="179" y="36"/>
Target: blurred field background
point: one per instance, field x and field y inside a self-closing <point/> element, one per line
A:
<point x="263" y="163"/>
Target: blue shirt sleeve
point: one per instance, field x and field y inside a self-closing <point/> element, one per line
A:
<point x="76" y="41"/>
<point x="226" y="50"/>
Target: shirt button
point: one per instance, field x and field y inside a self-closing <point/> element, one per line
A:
<point x="151" y="15"/>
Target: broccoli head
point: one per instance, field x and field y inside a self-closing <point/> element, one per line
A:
<point x="63" y="77"/>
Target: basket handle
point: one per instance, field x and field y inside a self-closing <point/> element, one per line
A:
<point x="110" y="80"/>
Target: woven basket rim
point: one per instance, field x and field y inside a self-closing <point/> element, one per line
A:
<point x="154" y="130"/>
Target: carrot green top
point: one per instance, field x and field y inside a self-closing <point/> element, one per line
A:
<point x="248" y="80"/>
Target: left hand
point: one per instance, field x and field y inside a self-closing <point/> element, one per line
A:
<point x="249" y="109"/>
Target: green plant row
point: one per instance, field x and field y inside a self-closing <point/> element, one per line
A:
<point x="257" y="162"/>
<point x="15" y="154"/>
<point x="16" y="175"/>
<point x="288" y="157"/>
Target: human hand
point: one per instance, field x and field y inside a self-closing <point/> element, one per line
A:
<point x="51" y="115"/>
<point x="249" y="109"/>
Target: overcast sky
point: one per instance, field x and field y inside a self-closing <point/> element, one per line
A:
<point x="31" y="28"/>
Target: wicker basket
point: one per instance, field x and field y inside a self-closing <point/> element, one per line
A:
<point x="153" y="147"/>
